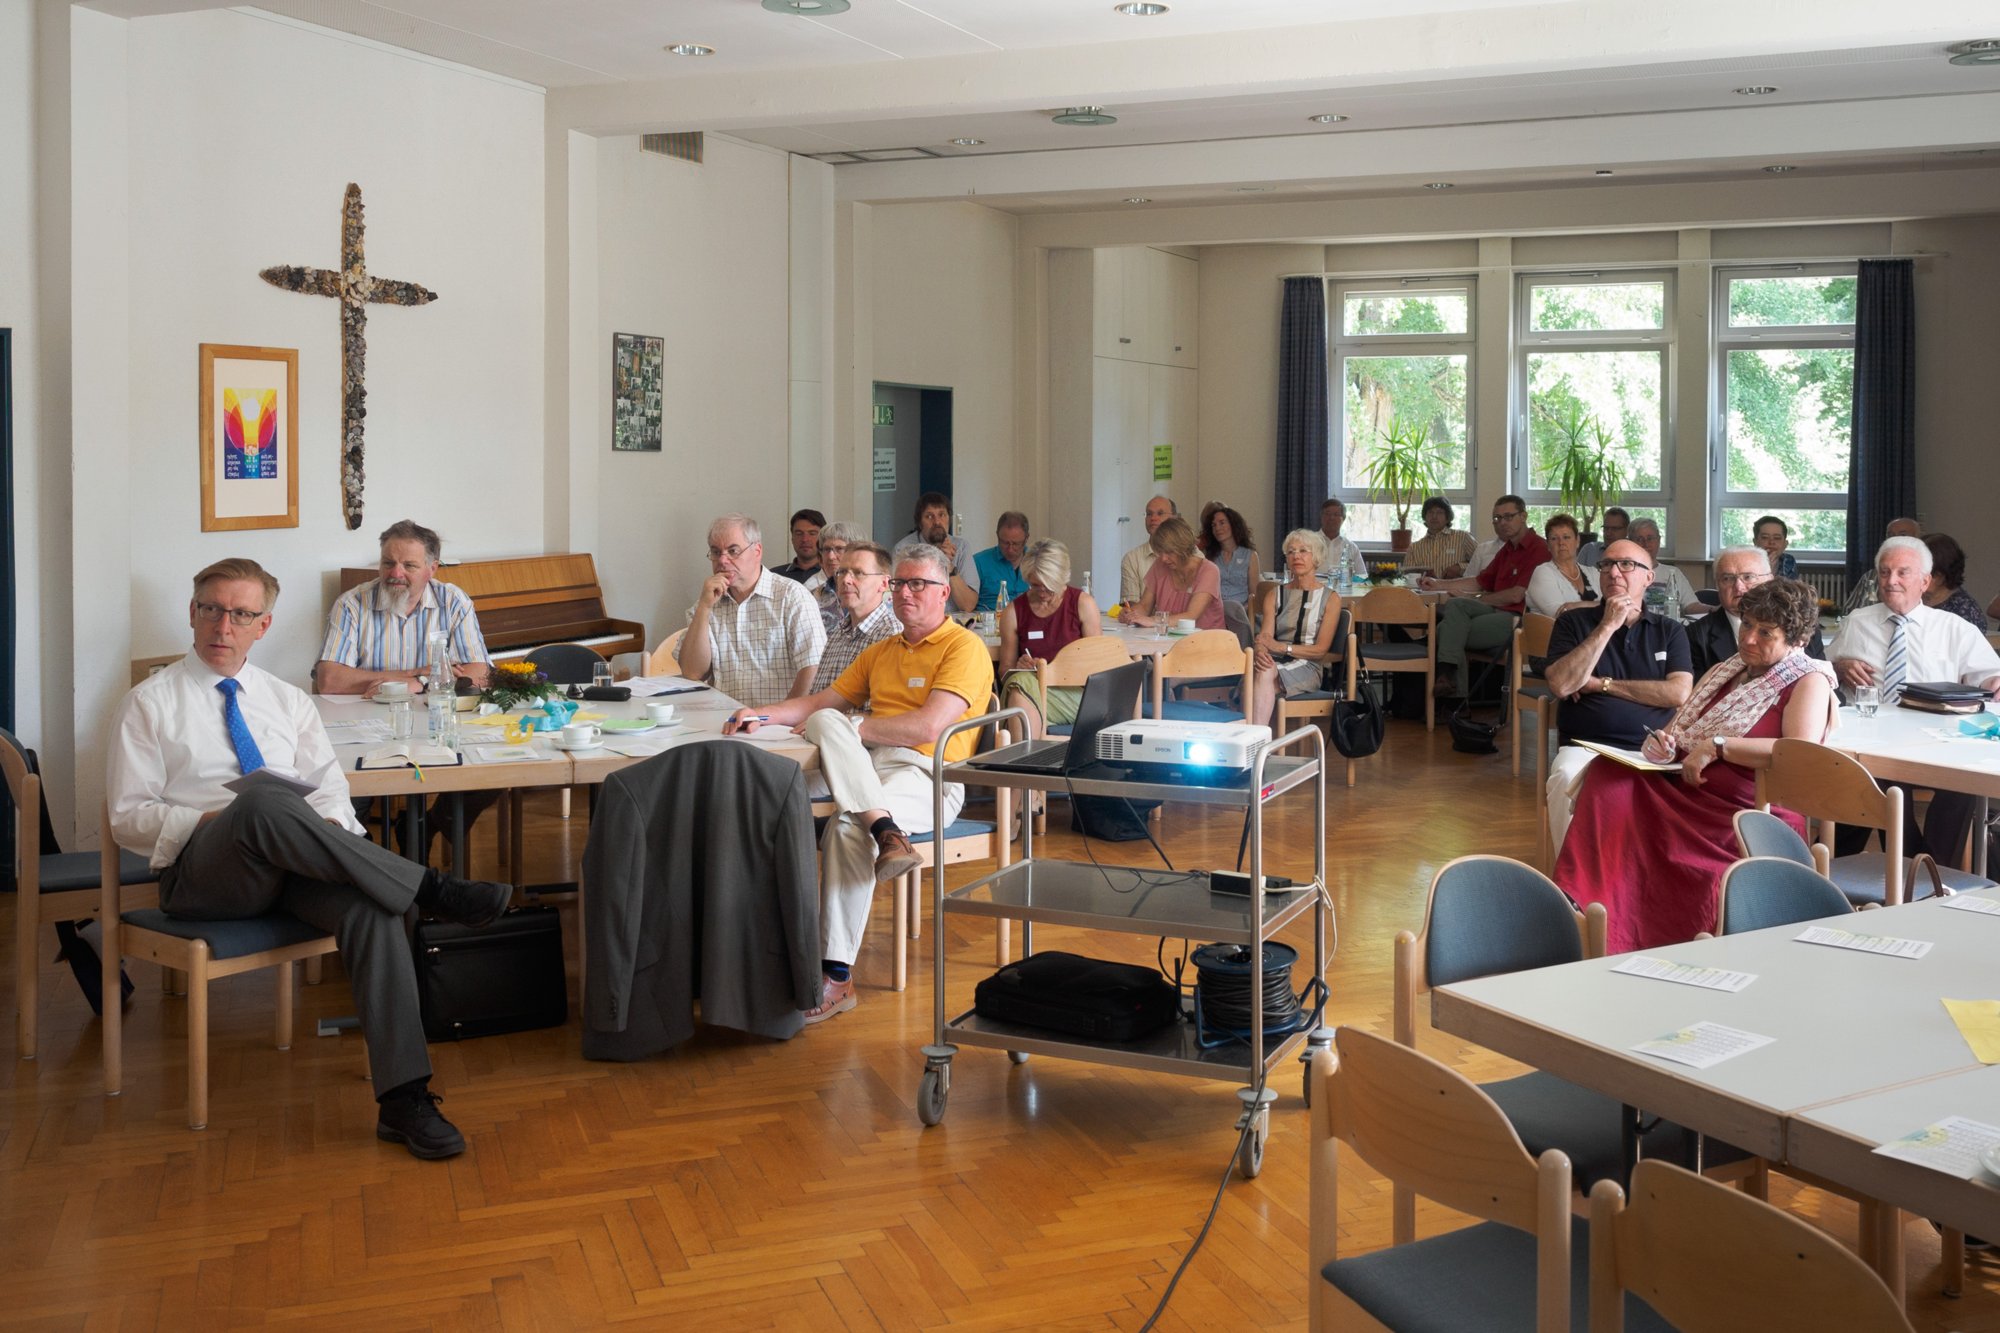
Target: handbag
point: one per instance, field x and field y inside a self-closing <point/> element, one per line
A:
<point x="1359" y="723"/>
<point x="506" y="977"/>
<point x="1083" y="997"/>
<point x="1470" y="736"/>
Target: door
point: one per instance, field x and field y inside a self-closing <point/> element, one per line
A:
<point x="911" y="455"/>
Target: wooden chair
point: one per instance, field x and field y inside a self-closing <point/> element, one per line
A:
<point x="665" y="660"/>
<point x="1827" y="786"/>
<point x="1760" y="892"/>
<point x="1395" y="606"/>
<point x="1204" y="653"/>
<point x="1709" y="1259"/>
<point x="1316" y="706"/>
<point x="1531" y="693"/>
<point x="47" y="888"/>
<point x="206" y="951"/>
<point x="1430" y="1131"/>
<point x="567" y="663"/>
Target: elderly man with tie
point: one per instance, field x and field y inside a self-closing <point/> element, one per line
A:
<point x="185" y="733"/>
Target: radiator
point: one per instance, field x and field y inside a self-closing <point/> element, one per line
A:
<point x="1830" y="584"/>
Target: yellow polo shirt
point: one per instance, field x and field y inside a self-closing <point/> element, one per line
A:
<point x="896" y="676"/>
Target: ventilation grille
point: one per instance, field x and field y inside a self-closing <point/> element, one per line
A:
<point x="1830" y="584"/>
<point x="686" y="147"/>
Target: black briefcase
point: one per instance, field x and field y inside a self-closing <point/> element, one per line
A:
<point x="1082" y="997"/>
<point x="506" y="977"/>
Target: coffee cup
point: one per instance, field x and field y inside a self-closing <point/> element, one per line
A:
<point x="1185" y="626"/>
<point x="581" y="735"/>
<point x="392" y="689"/>
<point x="661" y="713"/>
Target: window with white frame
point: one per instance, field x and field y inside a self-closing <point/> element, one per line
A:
<point x="1593" y="371"/>
<point x="1401" y="353"/>
<point x="1784" y="381"/>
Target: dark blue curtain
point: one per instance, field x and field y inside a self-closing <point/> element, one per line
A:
<point x="1302" y="437"/>
<point x="1882" y="475"/>
<point x="7" y="576"/>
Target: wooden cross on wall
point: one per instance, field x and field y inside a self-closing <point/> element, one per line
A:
<point x="354" y="287"/>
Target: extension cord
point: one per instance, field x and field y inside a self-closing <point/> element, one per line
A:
<point x="1238" y="883"/>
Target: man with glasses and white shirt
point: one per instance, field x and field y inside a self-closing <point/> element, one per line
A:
<point x="1899" y="640"/>
<point x="1488" y="605"/>
<point x="754" y="636"/>
<point x="1712" y="638"/>
<point x="861" y="581"/>
<point x="1619" y="671"/>
<point x="877" y="764"/>
<point x="210" y="719"/>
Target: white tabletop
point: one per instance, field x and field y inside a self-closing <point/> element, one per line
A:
<point x="1844" y="1023"/>
<point x="1906" y="745"/>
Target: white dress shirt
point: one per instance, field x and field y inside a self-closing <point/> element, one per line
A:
<point x="1482" y="556"/>
<point x="1939" y="645"/>
<point x="1343" y="554"/>
<point x="171" y="753"/>
<point x="1132" y="572"/>
<point x="1549" y="592"/>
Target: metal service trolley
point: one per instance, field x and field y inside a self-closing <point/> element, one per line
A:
<point x="1141" y="901"/>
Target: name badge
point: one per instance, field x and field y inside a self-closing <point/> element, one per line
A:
<point x="1034" y="634"/>
<point x="916" y="682"/>
<point x="1659" y="657"/>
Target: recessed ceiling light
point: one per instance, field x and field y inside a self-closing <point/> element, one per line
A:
<point x="1756" y="90"/>
<point x="690" y="49"/>
<point x="968" y="143"/>
<point x="1602" y="171"/>
<point x="1138" y="199"/>
<point x="1437" y="185"/>
<point x="1139" y="9"/>
<point x="1780" y="169"/>
<point x="1085" y="115"/>
<point x="1253" y="189"/>
<point x="810" y="9"/>
<point x="1985" y="51"/>
<point x="1326" y="118"/>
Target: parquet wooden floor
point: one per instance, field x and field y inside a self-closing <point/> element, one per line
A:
<point x="735" y="1183"/>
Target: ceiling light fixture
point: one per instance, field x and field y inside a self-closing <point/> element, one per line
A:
<point x="1985" y="51"/>
<point x="1253" y="189"/>
<point x="1085" y="115"/>
<point x="1141" y="10"/>
<point x="1138" y="199"/>
<point x="1756" y="90"/>
<point x="1438" y="185"/>
<point x="1602" y="171"/>
<point x="808" y="9"/>
<point x="1780" y="169"/>
<point x="690" y="49"/>
<point x="1326" y="118"/>
<point x="968" y="143"/>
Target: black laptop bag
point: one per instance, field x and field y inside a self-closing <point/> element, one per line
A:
<point x="506" y="977"/>
<point x="1079" y="997"/>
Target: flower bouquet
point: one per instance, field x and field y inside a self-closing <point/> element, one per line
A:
<point x="1388" y="571"/>
<point x="515" y="683"/>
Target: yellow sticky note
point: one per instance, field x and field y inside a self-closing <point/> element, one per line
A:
<point x="1979" y="1023"/>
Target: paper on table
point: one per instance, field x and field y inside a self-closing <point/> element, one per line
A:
<point x="1686" y="974"/>
<point x="1886" y="945"/>
<point x="1630" y="758"/>
<point x="1702" y="1044"/>
<point x="357" y="732"/>
<point x="1979" y="1023"/>
<point x="645" y="687"/>
<point x="268" y="776"/>
<point x="769" y="734"/>
<point x="1965" y="902"/>
<point x="641" y="747"/>
<point x="1953" y="1145"/>
<point x="504" y="754"/>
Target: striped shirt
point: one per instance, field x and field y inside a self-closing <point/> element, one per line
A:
<point x="845" y="640"/>
<point x="362" y="632"/>
<point x="758" y="646"/>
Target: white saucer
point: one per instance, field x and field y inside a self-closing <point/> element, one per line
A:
<point x="577" y="749"/>
<point x="392" y="698"/>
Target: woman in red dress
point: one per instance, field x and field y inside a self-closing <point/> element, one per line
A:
<point x="1046" y="618"/>
<point x="1652" y="846"/>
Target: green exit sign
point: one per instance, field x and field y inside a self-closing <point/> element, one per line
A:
<point x="885" y="414"/>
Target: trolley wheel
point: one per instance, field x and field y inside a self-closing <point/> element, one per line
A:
<point x="1018" y="1057"/>
<point x="932" y="1090"/>
<point x="1250" y="1155"/>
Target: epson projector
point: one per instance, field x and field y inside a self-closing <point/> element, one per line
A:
<point x="1182" y="744"/>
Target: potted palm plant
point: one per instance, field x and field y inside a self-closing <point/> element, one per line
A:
<point x="1585" y="472"/>
<point x="1403" y="468"/>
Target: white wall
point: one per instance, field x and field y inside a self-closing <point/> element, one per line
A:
<point x="20" y="311"/>
<point x="943" y="281"/>
<point x="697" y="254"/>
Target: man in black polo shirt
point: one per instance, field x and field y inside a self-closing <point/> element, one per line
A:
<point x="1619" y="670"/>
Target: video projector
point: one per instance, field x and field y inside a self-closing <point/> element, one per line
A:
<point x="1182" y="745"/>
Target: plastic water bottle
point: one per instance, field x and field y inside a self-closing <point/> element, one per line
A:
<point x="1086" y="583"/>
<point x="1000" y="598"/>
<point x="440" y="694"/>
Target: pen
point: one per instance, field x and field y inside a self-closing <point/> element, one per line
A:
<point x="743" y="723"/>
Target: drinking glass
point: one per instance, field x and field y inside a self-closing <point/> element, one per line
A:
<point x="402" y="719"/>
<point x="600" y="674"/>
<point x="1866" y="699"/>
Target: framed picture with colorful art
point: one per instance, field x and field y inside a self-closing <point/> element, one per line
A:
<point x="249" y="437"/>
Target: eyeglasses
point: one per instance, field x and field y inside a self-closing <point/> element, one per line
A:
<point x="915" y="585"/>
<point x="1625" y="566"/>
<point x="242" y="619"/>
<point x="1507" y="516"/>
<point x="1747" y="580"/>
<point x="860" y="574"/>
<point x="732" y="552"/>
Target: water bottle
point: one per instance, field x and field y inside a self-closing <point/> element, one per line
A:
<point x="440" y="694"/>
<point x="1086" y="583"/>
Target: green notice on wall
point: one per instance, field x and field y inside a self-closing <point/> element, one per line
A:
<point x="1163" y="462"/>
<point x="885" y="414"/>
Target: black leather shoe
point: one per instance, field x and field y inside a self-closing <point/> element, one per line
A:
<point x="414" y="1122"/>
<point x="471" y="902"/>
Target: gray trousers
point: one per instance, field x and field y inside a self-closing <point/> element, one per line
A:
<point x="269" y="850"/>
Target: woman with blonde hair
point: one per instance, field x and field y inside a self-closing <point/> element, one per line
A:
<point x="1298" y="617"/>
<point x="1182" y="584"/>
<point x="1046" y="618"/>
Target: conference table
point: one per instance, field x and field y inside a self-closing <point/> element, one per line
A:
<point x="1924" y="750"/>
<point x="1861" y="1051"/>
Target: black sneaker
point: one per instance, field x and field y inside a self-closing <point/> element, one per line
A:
<point x="414" y="1122"/>
<point x="471" y="902"/>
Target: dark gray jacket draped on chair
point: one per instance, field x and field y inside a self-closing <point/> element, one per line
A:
<point x="700" y="878"/>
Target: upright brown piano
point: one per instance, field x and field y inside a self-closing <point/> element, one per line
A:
<point x="532" y="600"/>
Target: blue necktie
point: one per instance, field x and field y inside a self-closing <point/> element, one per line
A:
<point x="1898" y="664"/>
<point x="248" y="756"/>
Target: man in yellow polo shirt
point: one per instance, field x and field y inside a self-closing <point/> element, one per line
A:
<point x="878" y="765"/>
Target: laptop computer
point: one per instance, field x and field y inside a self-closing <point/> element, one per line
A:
<point x="1108" y="696"/>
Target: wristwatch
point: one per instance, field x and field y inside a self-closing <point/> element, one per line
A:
<point x="1604" y="684"/>
<point x="1718" y="741"/>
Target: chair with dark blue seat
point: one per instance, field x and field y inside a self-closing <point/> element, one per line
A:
<point x="1203" y="655"/>
<point x="566" y="663"/>
<point x="1761" y="833"/>
<point x="1383" y="607"/>
<point x="1316" y="706"/>
<point x="47" y="886"/>
<point x="1490" y="915"/>
<point x="1759" y="892"/>
<point x="1525" y="1265"/>
<point x="206" y="951"/>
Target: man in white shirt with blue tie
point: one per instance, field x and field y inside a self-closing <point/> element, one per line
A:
<point x="1900" y="640"/>
<point x="210" y="718"/>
